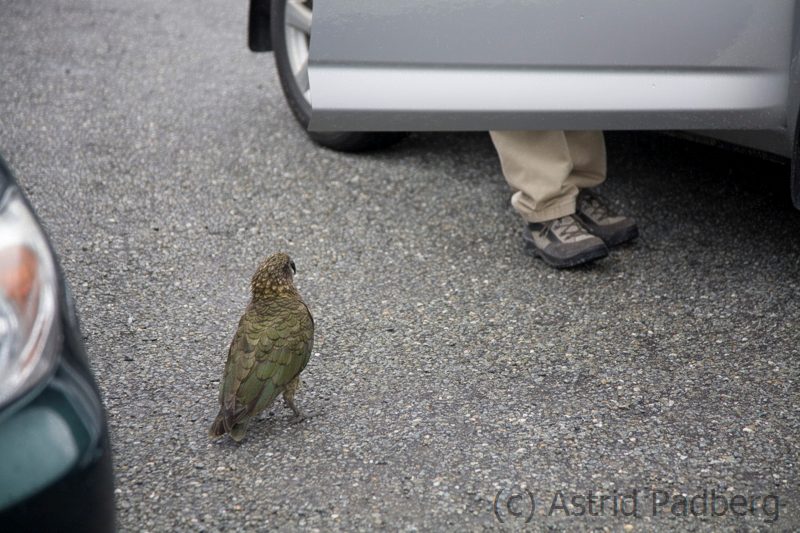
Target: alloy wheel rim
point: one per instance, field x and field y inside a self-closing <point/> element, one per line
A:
<point x="297" y="24"/>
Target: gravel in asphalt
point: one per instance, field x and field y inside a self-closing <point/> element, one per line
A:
<point x="451" y="372"/>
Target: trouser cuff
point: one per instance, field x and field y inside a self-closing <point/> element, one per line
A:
<point x="550" y="212"/>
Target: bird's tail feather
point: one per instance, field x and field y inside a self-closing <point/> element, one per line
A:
<point x="237" y="431"/>
<point x="217" y="428"/>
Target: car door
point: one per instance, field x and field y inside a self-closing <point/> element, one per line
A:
<point x="541" y="64"/>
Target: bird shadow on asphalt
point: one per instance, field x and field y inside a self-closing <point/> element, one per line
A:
<point x="267" y="424"/>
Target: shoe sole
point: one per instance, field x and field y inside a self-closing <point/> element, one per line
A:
<point x="592" y="254"/>
<point x="621" y="237"/>
<point x="624" y="236"/>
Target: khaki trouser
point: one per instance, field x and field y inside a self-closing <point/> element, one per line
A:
<point x="546" y="169"/>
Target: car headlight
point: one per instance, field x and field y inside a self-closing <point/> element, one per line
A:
<point x="28" y="300"/>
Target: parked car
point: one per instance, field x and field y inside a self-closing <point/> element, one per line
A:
<point x="724" y="68"/>
<point x="55" y="457"/>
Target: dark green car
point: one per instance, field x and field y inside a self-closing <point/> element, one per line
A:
<point x="55" y="456"/>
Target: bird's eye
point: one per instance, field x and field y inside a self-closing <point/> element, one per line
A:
<point x="294" y="268"/>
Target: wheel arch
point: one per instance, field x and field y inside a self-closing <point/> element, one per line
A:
<point x="259" y="36"/>
<point x="795" y="172"/>
<point x="793" y="111"/>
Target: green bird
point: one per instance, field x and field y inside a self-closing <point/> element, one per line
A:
<point x="272" y="345"/>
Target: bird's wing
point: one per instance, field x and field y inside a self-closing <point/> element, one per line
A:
<point x="271" y="347"/>
<point x="307" y="332"/>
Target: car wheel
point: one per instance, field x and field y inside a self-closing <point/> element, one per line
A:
<point x="794" y="174"/>
<point x="291" y="31"/>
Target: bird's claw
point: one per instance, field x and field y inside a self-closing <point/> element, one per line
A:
<point x="300" y="416"/>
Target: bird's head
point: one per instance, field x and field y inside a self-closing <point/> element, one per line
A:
<point x="274" y="276"/>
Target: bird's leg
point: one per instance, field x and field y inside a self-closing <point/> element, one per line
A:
<point x="288" y="399"/>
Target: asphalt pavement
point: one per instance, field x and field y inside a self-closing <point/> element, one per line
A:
<point x="455" y="381"/>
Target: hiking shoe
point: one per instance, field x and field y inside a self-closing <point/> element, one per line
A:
<point x="596" y="217"/>
<point x="562" y="242"/>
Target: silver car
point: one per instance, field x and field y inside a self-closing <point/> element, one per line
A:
<point x="724" y="68"/>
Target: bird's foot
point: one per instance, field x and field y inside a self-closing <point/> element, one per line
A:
<point x="300" y="416"/>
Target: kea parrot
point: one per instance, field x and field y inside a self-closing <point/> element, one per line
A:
<point x="270" y="348"/>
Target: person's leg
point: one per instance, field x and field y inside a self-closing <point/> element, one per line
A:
<point x="538" y="166"/>
<point x="588" y="152"/>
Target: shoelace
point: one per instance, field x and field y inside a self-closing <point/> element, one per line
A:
<point x="595" y="209"/>
<point x="566" y="228"/>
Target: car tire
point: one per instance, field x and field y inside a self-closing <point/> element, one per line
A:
<point x="794" y="173"/>
<point x="290" y="38"/>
